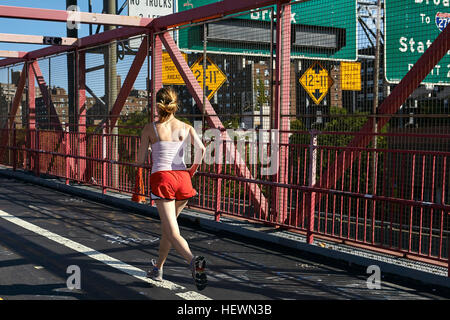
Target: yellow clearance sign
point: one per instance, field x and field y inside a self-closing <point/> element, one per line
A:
<point x="316" y="82"/>
<point x="351" y="76"/>
<point x="170" y="74"/>
<point x="214" y="77"/>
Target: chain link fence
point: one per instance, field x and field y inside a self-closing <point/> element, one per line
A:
<point x="320" y="80"/>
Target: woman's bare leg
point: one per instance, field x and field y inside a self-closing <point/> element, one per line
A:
<point x="179" y="206"/>
<point x="169" y="211"/>
<point x="164" y="244"/>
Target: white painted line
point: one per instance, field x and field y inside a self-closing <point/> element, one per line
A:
<point x="108" y="260"/>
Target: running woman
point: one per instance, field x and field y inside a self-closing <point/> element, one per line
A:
<point x="170" y="180"/>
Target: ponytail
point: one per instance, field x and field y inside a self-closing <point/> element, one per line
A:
<point x="166" y="102"/>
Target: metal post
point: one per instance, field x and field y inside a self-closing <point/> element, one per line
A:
<point x="282" y="100"/>
<point x="36" y="150"/>
<point x="7" y="125"/>
<point x="90" y="10"/>
<point x="376" y="77"/>
<point x="311" y="182"/>
<point x="148" y="80"/>
<point x="71" y="92"/>
<point x="14" y="147"/>
<point x="49" y="93"/>
<point x="31" y="118"/>
<point x="275" y="124"/>
<point x="213" y="120"/>
<point x="156" y="71"/>
<point x="205" y="48"/>
<point x="66" y="151"/>
<point x="111" y="89"/>
<point x="219" y="183"/>
<point x="103" y="148"/>
<point x="81" y="112"/>
<point x="271" y="60"/>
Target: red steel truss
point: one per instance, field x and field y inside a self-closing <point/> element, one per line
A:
<point x="154" y="29"/>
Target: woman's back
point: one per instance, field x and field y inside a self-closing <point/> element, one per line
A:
<point x="168" y="142"/>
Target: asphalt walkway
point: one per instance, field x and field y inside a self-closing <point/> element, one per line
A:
<point x="45" y="234"/>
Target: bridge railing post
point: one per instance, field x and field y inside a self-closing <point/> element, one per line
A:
<point x="66" y="151"/>
<point x="37" y="153"/>
<point x="219" y="180"/>
<point x="311" y="183"/>
<point x="14" y="150"/>
<point x="103" y="157"/>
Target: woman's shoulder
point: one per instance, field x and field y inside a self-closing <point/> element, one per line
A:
<point x="184" y="124"/>
<point x="148" y="125"/>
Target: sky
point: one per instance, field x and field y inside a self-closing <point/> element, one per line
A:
<point x="58" y="29"/>
<point x="46" y="28"/>
<point x="58" y="70"/>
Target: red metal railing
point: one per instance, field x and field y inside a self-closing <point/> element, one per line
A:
<point x="392" y="200"/>
<point x="334" y="185"/>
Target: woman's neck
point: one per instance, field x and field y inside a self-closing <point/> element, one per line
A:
<point x="168" y="120"/>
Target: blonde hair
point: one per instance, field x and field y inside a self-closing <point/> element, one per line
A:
<point x="166" y="102"/>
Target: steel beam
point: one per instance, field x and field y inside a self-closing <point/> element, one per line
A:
<point x="11" y="61"/>
<point x="18" y="96"/>
<point x="393" y="102"/>
<point x="81" y="113"/>
<point x="156" y="73"/>
<point x="82" y="43"/>
<point x="210" y="11"/>
<point x="197" y="14"/>
<point x="15" y="106"/>
<point x="45" y="95"/>
<point x="86" y="42"/>
<point x="128" y="84"/>
<point x="12" y="54"/>
<point x="31" y="115"/>
<point x="282" y="101"/>
<point x="65" y="16"/>
<point x="196" y="91"/>
<point x="32" y="39"/>
<point x="30" y="139"/>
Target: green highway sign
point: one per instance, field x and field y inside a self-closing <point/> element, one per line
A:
<point x="411" y="26"/>
<point x="325" y="29"/>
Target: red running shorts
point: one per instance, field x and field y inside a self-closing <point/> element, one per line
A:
<point x="171" y="185"/>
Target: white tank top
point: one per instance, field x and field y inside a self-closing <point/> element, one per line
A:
<point x="168" y="155"/>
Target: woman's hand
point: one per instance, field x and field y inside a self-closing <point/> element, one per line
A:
<point x="193" y="169"/>
<point x="199" y="151"/>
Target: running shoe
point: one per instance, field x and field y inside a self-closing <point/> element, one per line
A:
<point x="198" y="266"/>
<point x="155" y="274"/>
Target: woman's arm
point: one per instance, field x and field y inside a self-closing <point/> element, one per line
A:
<point x="199" y="150"/>
<point x="143" y="148"/>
